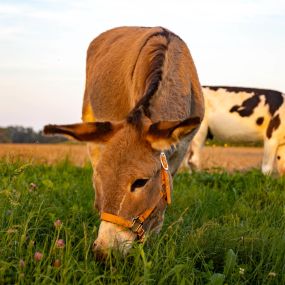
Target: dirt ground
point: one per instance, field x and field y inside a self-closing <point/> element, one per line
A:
<point x="229" y="158"/>
<point x="45" y="153"/>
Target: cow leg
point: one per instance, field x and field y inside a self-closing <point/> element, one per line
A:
<point x="193" y="156"/>
<point x="88" y="116"/>
<point x="270" y="148"/>
<point x="280" y="159"/>
<point x="93" y="149"/>
<point x="176" y="158"/>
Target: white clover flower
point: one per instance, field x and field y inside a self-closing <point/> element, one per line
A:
<point x="241" y="271"/>
<point x="272" y="274"/>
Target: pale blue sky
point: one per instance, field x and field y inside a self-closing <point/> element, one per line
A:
<point x="43" y="47"/>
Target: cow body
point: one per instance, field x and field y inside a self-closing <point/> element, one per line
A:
<point x="142" y="97"/>
<point x="237" y="114"/>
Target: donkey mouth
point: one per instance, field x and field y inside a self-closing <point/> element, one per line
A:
<point x="112" y="237"/>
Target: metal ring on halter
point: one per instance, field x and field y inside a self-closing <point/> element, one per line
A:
<point x="163" y="161"/>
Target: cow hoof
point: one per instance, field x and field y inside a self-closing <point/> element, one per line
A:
<point x="266" y="170"/>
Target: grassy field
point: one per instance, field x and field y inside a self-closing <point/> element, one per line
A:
<point x="221" y="229"/>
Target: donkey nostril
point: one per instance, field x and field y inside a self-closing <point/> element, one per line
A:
<point x="95" y="247"/>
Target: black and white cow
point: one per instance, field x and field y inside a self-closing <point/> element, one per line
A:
<point x="243" y="114"/>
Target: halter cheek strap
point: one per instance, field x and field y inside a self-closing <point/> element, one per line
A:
<point x="136" y="223"/>
<point x="165" y="177"/>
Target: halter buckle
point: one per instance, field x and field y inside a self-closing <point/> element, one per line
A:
<point x="137" y="224"/>
<point x="137" y="227"/>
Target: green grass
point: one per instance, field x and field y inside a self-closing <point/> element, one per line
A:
<point x="221" y="229"/>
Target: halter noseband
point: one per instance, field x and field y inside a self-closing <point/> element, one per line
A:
<point x="136" y="223"/>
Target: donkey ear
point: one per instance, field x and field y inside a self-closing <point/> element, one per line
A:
<point x="91" y="132"/>
<point x="162" y="135"/>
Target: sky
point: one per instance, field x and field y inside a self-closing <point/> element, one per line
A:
<point x="43" y="47"/>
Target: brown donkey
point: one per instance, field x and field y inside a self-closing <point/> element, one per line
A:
<point x="142" y="97"/>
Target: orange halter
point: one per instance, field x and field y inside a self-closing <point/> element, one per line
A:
<point x="136" y="224"/>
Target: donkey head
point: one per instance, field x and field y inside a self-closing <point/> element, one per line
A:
<point x="127" y="175"/>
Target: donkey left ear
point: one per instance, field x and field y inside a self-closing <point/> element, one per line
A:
<point x="162" y="135"/>
<point x="99" y="132"/>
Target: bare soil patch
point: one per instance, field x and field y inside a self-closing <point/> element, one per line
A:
<point x="229" y="158"/>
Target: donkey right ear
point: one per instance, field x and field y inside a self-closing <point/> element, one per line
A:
<point x="90" y="132"/>
<point x="162" y="135"/>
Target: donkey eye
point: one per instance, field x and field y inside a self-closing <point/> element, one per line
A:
<point x="138" y="183"/>
<point x="278" y="157"/>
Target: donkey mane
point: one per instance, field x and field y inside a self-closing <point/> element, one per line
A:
<point x="153" y="78"/>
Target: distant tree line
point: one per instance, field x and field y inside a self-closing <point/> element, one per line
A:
<point x="18" y="134"/>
